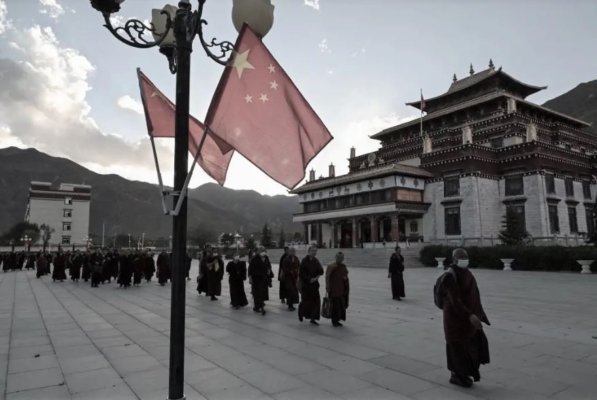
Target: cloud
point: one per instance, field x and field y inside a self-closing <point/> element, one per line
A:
<point x="314" y="4"/>
<point x="128" y="103"/>
<point x="323" y="47"/>
<point x="358" y="53"/>
<point x="43" y="105"/>
<point x="5" y="23"/>
<point x="354" y="133"/>
<point x="51" y="8"/>
<point x="330" y="72"/>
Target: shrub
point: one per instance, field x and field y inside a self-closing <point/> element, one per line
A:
<point x="526" y="258"/>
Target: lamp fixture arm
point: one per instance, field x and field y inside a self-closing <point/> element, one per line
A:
<point x="133" y="31"/>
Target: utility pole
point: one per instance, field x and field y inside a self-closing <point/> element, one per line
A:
<point x="103" y="233"/>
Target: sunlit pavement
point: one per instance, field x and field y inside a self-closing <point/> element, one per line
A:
<point x="68" y="340"/>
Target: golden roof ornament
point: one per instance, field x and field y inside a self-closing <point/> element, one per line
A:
<point x="491" y="66"/>
<point x="472" y="71"/>
<point x="454" y="79"/>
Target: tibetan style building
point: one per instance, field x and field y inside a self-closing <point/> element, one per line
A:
<point x="485" y="148"/>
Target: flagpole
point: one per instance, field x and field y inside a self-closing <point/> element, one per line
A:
<point x="421" y="131"/>
<point x="179" y="221"/>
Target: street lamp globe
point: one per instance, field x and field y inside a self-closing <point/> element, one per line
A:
<point x="107" y="6"/>
<point x="159" y="19"/>
<point x="258" y="14"/>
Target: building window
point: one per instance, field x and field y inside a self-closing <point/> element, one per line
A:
<point x="514" y="185"/>
<point x="550" y="184"/>
<point x="66" y="226"/>
<point x="573" y="220"/>
<point x="68" y="213"/>
<point x="586" y="189"/>
<point x="66" y="240"/>
<point x="583" y="150"/>
<point x="569" y="187"/>
<point x="497" y="142"/>
<point x="68" y="201"/>
<point x="519" y="211"/>
<point x="452" y="220"/>
<point x="452" y="187"/>
<point x="414" y="227"/>
<point x="554" y="221"/>
<point x="568" y="146"/>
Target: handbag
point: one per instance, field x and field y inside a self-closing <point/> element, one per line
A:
<point x="326" y="307"/>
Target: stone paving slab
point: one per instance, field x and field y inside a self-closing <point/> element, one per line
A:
<point x="70" y="341"/>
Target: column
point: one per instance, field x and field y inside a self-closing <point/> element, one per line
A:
<point x="355" y="232"/>
<point x="374" y="229"/>
<point x="334" y="233"/>
<point x="319" y="235"/>
<point x="309" y="229"/>
<point x="306" y="233"/>
<point x="395" y="229"/>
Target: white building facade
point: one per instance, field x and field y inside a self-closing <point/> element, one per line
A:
<point x="65" y="208"/>
<point x="449" y="178"/>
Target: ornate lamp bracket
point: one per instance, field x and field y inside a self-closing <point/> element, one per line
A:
<point x="186" y="24"/>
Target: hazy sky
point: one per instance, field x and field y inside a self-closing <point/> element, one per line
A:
<point x="68" y="88"/>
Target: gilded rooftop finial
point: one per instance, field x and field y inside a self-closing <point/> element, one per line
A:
<point x="454" y="79"/>
<point x="472" y="71"/>
<point x="491" y="66"/>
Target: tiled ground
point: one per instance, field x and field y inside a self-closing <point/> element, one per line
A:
<point x="69" y="341"/>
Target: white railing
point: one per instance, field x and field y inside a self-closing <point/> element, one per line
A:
<point x="555" y="240"/>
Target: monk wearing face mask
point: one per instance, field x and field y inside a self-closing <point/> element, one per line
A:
<point x="466" y="344"/>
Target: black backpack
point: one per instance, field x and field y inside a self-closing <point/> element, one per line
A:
<point x="438" y="288"/>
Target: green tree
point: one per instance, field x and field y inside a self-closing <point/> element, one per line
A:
<point x="250" y="243"/>
<point x="282" y="238"/>
<point x="226" y="240"/>
<point x="46" y="232"/>
<point x="266" y="236"/>
<point x="202" y="235"/>
<point x="513" y="232"/>
<point x="297" y="237"/>
<point x="19" y="230"/>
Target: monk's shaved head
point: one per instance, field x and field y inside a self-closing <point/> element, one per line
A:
<point x="459" y="254"/>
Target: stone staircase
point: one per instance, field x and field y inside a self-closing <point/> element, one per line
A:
<point x="358" y="258"/>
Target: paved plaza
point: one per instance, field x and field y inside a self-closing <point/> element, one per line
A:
<point x="69" y="341"/>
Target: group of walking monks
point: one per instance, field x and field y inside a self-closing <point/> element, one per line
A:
<point x="298" y="278"/>
<point x="467" y="346"/>
<point x="128" y="268"/>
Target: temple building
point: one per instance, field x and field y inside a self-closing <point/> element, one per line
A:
<point x="65" y="208"/>
<point x="480" y="148"/>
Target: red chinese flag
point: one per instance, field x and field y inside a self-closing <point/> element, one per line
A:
<point x="160" y="114"/>
<point x="259" y="112"/>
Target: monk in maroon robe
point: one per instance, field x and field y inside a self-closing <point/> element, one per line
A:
<point x="309" y="274"/>
<point x="338" y="288"/>
<point x="289" y="276"/>
<point x="466" y="344"/>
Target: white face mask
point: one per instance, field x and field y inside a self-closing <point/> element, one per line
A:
<point x="462" y="263"/>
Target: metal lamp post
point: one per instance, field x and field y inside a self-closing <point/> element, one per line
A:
<point x="12" y="245"/>
<point x="88" y="241"/>
<point x="174" y="30"/>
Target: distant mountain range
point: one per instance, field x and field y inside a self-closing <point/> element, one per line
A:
<point x="135" y="207"/>
<point x="580" y="103"/>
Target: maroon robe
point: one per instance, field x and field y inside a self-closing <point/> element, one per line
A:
<point x="310" y="306"/>
<point x="466" y="347"/>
